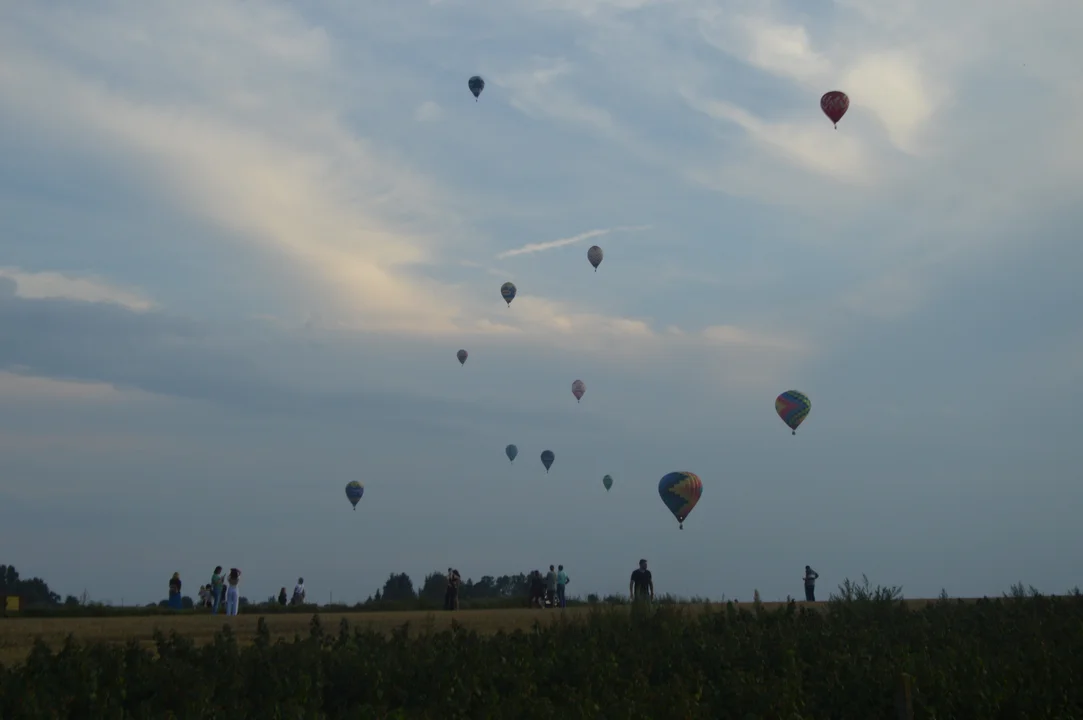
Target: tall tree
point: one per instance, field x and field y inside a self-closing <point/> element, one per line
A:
<point x="34" y="592"/>
<point x="399" y="587"/>
<point x="434" y="587"/>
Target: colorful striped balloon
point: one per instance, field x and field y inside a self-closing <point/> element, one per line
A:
<point x="793" y="407"/>
<point x="680" y="491"/>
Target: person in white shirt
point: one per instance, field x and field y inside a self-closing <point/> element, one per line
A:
<point x="232" y="594"/>
<point x="299" y="592"/>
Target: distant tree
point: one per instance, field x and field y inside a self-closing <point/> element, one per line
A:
<point x="34" y="592"/>
<point x="483" y="589"/>
<point x="434" y="587"/>
<point x="186" y="603"/>
<point x="398" y="588"/>
<point x="242" y="601"/>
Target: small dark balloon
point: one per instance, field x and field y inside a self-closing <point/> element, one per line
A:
<point x="476" y="85"/>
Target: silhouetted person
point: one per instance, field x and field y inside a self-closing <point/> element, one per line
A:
<point x="562" y="581"/>
<point x="282" y="597"/>
<point x="641" y="586"/>
<point x="448" y="591"/>
<point x="537" y="590"/>
<point x="810" y="584"/>
<point x="175" y="592"/>
<point x="456" y="581"/>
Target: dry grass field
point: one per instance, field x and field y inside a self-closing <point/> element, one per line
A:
<point x="17" y="634"/>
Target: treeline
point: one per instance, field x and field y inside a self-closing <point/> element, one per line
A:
<point x="866" y="658"/>
<point x="397" y="593"/>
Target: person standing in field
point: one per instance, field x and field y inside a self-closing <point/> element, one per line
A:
<point x="282" y="597"/>
<point x="175" y="592"/>
<point x="232" y="594"/>
<point x="450" y="589"/>
<point x="562" y="582"/>
<point x="217" y="589"/>
<point x="456" y="581"/>
<point x="299" y="592"/>
<point x="537" y="589"/>
<point x="204" y="596"/>
<point x="551" y="587"/>
<point x="641" y="586"/>
<point x="810" y="584"/>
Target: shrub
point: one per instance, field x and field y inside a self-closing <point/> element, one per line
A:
<point x="1014" y="658"/>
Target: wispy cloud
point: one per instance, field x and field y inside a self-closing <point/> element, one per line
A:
<point x="60" y="285"/>
<point x="532" y="248"/>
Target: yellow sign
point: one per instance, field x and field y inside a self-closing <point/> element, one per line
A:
<point x="12" y="603"/>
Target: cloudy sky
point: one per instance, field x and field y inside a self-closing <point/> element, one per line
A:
<point x="240" y="244"/>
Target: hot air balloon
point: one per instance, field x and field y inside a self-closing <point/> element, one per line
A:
<point x="579" y="388"/>
<point x="547" y="458"/>
<point x="595" y="255"/>
<point x="835" y="104"/>
<point x="463" y="355"/>
<point x="511" y="451"/>
<point x="354" y="491"/>
<point x="793" y="407"/>
<point x="476" y="85"/>
<point x="608" y="482"/>
<point x="680" y="492"/>
<point x="507" y="291"/>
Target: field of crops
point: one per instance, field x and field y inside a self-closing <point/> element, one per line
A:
<point x="1012" y="658"/>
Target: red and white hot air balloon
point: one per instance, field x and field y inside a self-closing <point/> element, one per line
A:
<point x="835" y="104"/>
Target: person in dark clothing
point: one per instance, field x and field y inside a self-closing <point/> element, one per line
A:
<point x="537" y="590"/>
<point x="448" y="590"/>
<point x="282" y="597"/>
<point x="641" y="586"/>
<point x="175" y="592"/>
<point x="810" y="584"/>
<point x="456" y="581"/>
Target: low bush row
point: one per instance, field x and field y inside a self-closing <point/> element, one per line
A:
<point x="1007" y="658"/>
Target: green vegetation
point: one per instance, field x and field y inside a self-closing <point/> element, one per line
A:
<point x="1005" y="658"/>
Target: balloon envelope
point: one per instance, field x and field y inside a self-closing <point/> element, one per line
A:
<point x="793" y="407"/>
<point x="476" y="85"/>
<point x="354" y="491"/>
<point x="507" y="291"/>
<point x="511" y="451"/>
<point x="578" y="389"/>
<point x="608" y="482"/>
<point x="835" y="104"/>
<point x="547" y="458"/>
<point x="462" y="355"/>
<point x="680" y="491"/>
<point x="595" y="255"/>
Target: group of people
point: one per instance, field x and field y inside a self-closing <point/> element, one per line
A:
<point x="221" y="590"/>
<point x="298" y="594"/>
<point x="549" y="591"/>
